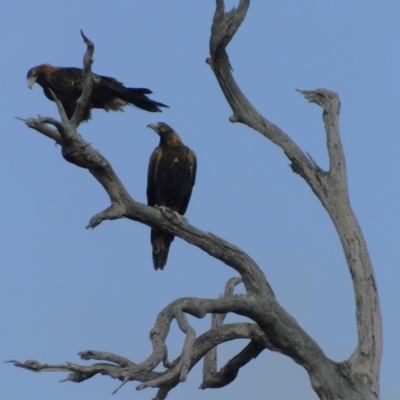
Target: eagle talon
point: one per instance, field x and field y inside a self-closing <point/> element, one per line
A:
<point x="164" y="209"/>
<point x="171" y="214"/>
<point x="179" y="217"/>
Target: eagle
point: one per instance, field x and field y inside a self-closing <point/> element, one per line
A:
<point x="107" y="92"/>
<point x="170" y="180"/>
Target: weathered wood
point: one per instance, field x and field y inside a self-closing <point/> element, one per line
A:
<point x="362" y="368"/>
<point x="273" y="328"/>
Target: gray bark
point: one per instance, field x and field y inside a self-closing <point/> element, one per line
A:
<point x="272" y="328"/>
<point x="362" y="369"/>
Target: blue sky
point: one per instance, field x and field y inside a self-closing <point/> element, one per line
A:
<point x="64" y="289"/>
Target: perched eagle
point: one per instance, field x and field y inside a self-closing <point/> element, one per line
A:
<point x="170" y="180"/>
<point x="107" y="93"/>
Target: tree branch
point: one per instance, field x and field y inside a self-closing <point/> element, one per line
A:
<point x="230" y="371"/>
<point x="127" y="370"/>
<point x="330" y="103"/>
<point x="281" y="330"/>
<point x="82" y="102"/>
<point x="210" y="359"/>
<point x="77" y="151"/>
<point x="214" y="379"/>
<point x="41" y="126"/>
<point x="330" y="187"/>
<point x="194" y="348"/>
<point x="193" y="306"/>
<point x="61" y="111"/>
<point x="275" y="329"/>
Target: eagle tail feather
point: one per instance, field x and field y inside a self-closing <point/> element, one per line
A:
<point x="161" y="242"/>
<point x="138" y="98"/>
<point x="141" y="90"/>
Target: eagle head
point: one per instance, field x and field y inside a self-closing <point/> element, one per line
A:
<point x="161" y="128"/>
<point x="36" y="72"/>
<point x="167" y="135"/>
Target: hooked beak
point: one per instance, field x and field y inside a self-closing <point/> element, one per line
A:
<point x="153" y="126"/>
<point x="31" y="81"/>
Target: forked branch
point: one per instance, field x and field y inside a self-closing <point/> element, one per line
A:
<point x="82" y="102"/>
<point x="329" y="186"/>
<point x="77" y="151"/>
<point x="119" y="367"/>
<point x="274" y="328"/>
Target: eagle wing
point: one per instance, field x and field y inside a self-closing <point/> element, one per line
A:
<point x="151" y="176"/>
<point x="107" y="92"/>
<point x="106" y="89"/>
<point x="192" y="165"/>
<point x="68" y="81"/>
<point x="118" y="88"/>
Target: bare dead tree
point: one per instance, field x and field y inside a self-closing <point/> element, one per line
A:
<point x="272" y="328"/>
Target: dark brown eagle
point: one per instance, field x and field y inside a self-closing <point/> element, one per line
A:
<point x="170" y="180"/>
<point x="107" y="93"/>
